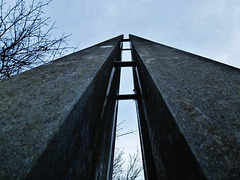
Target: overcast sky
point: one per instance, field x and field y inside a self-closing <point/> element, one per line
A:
<point x="209" y="28"/>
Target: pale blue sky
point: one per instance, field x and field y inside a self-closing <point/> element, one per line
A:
<point x="207" y="28"/>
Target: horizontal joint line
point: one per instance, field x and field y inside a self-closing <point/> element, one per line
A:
<point x="124" y="63"/>
<point x="126" y="96"/>
<point x="126" y="40"/>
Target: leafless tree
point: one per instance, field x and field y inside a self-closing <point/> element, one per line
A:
<point x="132" y="171"/>
<point x="129" y="169"/>
<point x="25" y="37"/>
<point x="134" y="167"/>
<point x="118" y="164"/>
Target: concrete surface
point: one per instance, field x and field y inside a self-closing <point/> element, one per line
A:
<point x="192" y="109"/>
<point x="51" y="118"/>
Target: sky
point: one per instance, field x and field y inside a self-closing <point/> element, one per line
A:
<point x="207" y="28"/>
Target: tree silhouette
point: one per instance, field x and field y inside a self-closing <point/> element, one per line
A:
<point x="25" y="37"/>
<point x="131" y="171"/>
<point x="123" y="169"/>
<point x="119" y="132"/>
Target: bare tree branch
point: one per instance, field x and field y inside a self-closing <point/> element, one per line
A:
<point x="133" y="169"/>
<point x="25" y="37"/>
<point x="119" y="128"/>
<point x="118" y="163"/>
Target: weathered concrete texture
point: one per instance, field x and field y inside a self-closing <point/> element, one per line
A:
<point x="193" y="112"/>
<point x="51" y="117"/>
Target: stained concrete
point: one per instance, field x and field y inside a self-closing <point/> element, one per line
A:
<point x="51" y="118"/>
<point x="192" y="109"/>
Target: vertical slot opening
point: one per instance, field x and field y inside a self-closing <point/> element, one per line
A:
<point x="127" y="154"/>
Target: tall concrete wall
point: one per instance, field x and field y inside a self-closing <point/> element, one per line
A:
<point x="57" y="119"/>
<point x="189" y="112"/>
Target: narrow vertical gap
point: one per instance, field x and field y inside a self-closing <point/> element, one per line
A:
<point x="127" y="145"/>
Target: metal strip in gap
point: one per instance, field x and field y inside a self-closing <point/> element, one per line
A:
<point x="126" y="96"/>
